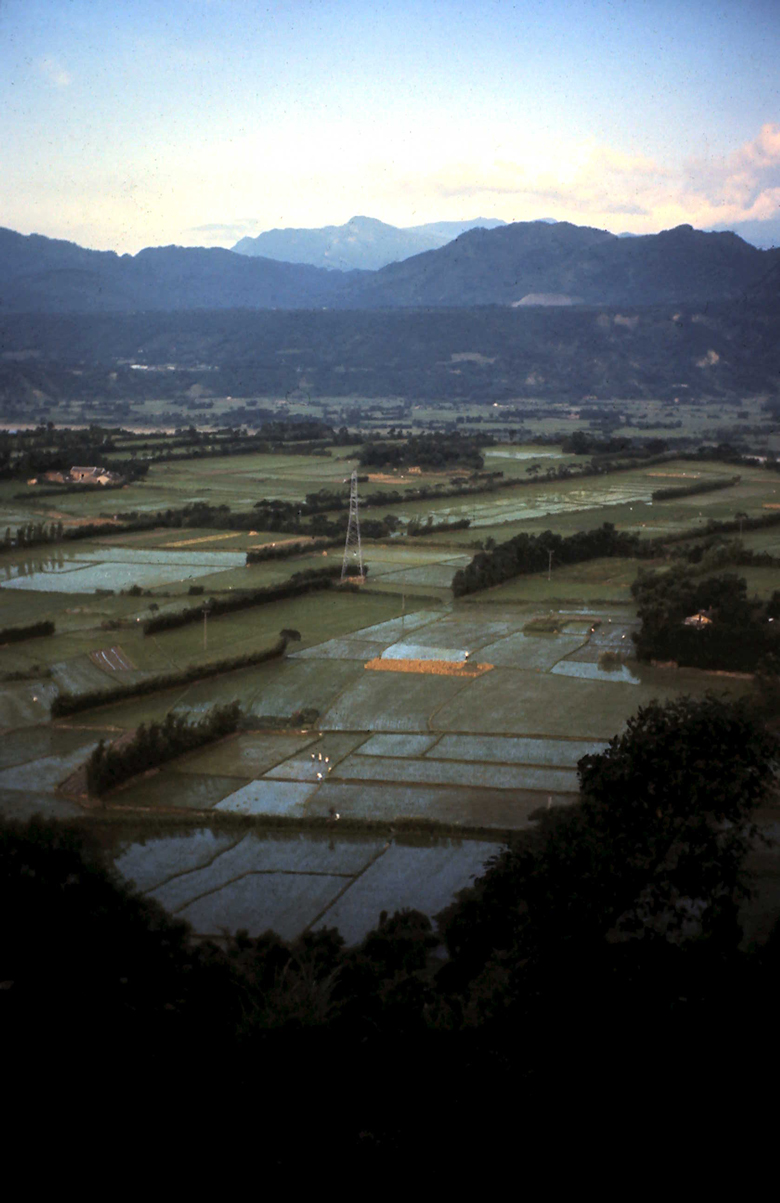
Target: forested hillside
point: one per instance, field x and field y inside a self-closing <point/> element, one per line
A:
<point x="486" y="354"/>
<point x="503" y="266"/>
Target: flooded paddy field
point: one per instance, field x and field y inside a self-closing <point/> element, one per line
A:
<point x="91" y="568"/>
<point x="227" y="881"/>
<point x="624" y="498"/>
<point x="478" y="754"/>
<point x="99" y="643"/>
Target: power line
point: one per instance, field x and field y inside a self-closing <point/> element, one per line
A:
<point x="352" y="548"/>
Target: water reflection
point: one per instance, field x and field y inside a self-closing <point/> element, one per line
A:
<point x="598" y="672"/>
<point x="231" y="878"/>
<point x="48" y="561"/>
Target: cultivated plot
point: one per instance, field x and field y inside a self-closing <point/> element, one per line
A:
<point x="269" y="797"/>
<point x="423" y="878"/>
<point x="516" y="750"/>
<point x="462" y="773"/>
<point x="473" y="808"/>
<point x="246" y="755"/>
<point x="377" y="702"/>
<point x="168" y="790"/>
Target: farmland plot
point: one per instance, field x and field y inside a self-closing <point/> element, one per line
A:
<point x="434" y="575"/>
<point x="550" y="705"/>
<point x="376" y="702"/>
<point x="168" y="789"/>
<point x="628" y="674"/>
<point x="24" y="804"/>
<point x="46" y="772"/>
<point x="261" y="882"/>
<point x="425" y="878"/>
<point x="462" y="773"/>
<point x="87" y="577"/>
<point x="36" y="743"/>
<point x="341" y="649"/>
<point x="397" y="745"/>
<point x="247" y="755"/>
<point x="268" y="797"/>
<point x="24" y="703"/>
<point x="156" y="859"/>
<point x="509" y="750"/>
<point x="535" y="652"/>
<point x="504" y="810"/>
<point x="285" y="902"/>
<point x="318" y="758"/>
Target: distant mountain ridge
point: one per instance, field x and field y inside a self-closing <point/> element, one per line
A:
<point x="507" y="265"/>
<point x="362" y="243"/>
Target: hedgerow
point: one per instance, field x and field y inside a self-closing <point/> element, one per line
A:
<point x="152" y="745"/>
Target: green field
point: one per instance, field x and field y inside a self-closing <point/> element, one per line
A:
<point x="478" y="754"/>
<point x="591" y="583"/>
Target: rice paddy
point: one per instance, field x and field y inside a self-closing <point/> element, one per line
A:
<point x="472" y="713"/>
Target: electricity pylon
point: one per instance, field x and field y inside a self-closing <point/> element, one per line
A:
<point x="352" y="546"/>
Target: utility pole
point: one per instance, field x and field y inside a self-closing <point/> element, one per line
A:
<point x="549" y="564"/>
<point x="206" y="608"/>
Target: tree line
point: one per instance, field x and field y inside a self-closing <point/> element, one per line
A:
<point x="524" y="553"/>
<point x="154" y="744"/>
<point x="33" y="630"/>
<point x="433" y="452"/>
<point x="701" y="486"/>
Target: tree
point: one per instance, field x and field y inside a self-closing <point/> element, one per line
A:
<point x="635" y="889"/>
<point x="740" y="517"/>
<point x="289" y="635"/>
<point x="673" y="799"/>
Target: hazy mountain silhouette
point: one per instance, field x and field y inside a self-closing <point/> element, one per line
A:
<point x="363" y="242"/>
<point x="502" y="266"/>
<point x="47" y="275"/>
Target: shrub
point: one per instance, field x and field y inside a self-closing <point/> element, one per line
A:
<point x="33" y="631"/>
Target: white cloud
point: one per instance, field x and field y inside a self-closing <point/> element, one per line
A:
<point x="743" y="186"/>
<point x="597" y="182"/>
<point x="52" y="70"/>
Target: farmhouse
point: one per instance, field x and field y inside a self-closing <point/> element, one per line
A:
<point x="94" y="475"/>
<point x="701" y="619"/>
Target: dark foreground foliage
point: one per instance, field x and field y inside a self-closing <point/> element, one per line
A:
<point x="595" y="968"/>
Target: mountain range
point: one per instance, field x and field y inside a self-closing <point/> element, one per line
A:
<point x="524" y="263"/>
<point x="363" y="242"/>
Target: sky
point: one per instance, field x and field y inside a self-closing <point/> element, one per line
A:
<point x="132" y="123"/>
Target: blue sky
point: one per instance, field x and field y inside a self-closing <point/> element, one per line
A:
<point x="127" y="124"/>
